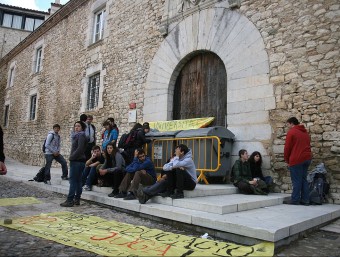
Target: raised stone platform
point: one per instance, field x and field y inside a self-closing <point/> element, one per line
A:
<point x="216" y="209"/>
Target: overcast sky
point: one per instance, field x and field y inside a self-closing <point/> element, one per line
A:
<point x="41" y="5"/>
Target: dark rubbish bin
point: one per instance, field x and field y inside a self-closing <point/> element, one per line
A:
<point x="161" y="147"/>
<point x="206" y="153"/>
<point x="211" y="148"/>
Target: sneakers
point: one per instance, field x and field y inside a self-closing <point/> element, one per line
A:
<point x="113" y="193"/>
<point x="177" y="195"/>
<point x="76" y="201"/>
<point x="120" y="195"/>
<point x="67" y="204"/>
<point x="64" y="178"/>
<point x="86" y="188"/>
<point x="142" y="197"/>
<point x="47" y="182"/>
<point x="130" y="196"/>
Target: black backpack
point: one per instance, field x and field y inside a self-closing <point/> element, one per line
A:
<point x="128" y="139"/>
<point x="40" y="175"/>
<point x="122" y="140"/>
<point x="319" y="188"/>
<point x="43" y="146"/>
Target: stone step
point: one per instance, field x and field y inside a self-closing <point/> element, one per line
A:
<point x="200" y="190"/>
<point x="271" y="223"/>
<point x="222" y="204"/>
<point x="255" y="218"/>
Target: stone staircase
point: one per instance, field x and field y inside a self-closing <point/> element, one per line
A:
<point x="216" y="209"/>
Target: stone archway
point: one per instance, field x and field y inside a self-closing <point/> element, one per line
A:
<point x="239" y="44"/>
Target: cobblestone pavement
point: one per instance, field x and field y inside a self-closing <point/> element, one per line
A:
<point x="16" y="243"/>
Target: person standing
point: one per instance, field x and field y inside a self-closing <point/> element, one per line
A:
<point x="52" y="152"/>
<point x="90" y="133"/>
<point x="298" y="156"/>
<point x="3" y="169"/>
<point x="77" y="164"/>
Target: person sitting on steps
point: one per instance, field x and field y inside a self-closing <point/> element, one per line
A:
<point x="140" y="171"/>
<point x="181" y="173"/>
<point x="113" y="167"/>
<point x="242" y="177"/>
<point x="90" y="171"/>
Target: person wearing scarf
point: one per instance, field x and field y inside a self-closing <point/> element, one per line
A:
<point x="77" y="164"/>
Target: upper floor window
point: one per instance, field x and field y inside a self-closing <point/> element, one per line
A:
<point x="33" y="107"/>
<point x="18" y="21"/>
<point x="11" y="77"/>
<point x="6" y="115"/>
<point x="31" y="23"/>
<point x="93" y="91"/>
<point x="38" y="60"/>
<point x="12" y="21"/>
<point x="98" y="31"/>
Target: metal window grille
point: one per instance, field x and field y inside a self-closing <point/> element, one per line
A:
<point x="6" y="115"/>
<point x="93" y="91"/>
<point x="33" y="107"/>
<point x="99" y="26"/>
<point x="38" y="59"/>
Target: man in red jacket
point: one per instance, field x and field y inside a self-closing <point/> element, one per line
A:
<point x="298" y="155"/>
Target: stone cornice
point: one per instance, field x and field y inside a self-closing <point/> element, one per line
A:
<point x="52" y="21"/>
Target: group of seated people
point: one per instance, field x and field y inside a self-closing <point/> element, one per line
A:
<point x="247" y="174"/>
<point x="178" y="174"/>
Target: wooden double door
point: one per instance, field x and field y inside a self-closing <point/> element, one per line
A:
<point x="201" y="89"/>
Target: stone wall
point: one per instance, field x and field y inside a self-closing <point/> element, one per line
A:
<point x="303" y="42"/>
<point x="10" y="38"/>
<point x="301" y="39"/>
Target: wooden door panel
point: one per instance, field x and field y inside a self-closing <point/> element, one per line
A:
<point x="201" y="89"/>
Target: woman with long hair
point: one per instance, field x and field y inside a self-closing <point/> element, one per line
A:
<point x="113" y="167"/>
<point x="255" y="161"/>
<point x="110" y="134"/>
<point x="77" y="164"/>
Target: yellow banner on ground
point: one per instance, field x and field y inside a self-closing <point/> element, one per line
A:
<point x="111" y="238"/>
<point x="18" y="201"/>
<point x="173" y="125"/>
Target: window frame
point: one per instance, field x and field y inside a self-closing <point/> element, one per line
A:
<point x="98" y="25"/>
<point x="38" y="59"/>
<point x="6" y="116"/>
<point x="11" y="74"/>
<point x="93" y="86"/>
<point x="33" y="107"/>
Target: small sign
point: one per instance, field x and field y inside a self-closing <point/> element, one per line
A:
<point x="157" y="154"/>
<point x="132" y="116"/>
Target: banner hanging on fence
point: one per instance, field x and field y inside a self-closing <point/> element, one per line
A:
<point x="173" y="125"/>
<point x="111" y="238"/>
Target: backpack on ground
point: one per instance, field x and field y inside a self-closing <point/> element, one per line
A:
<point x="40" y="175"/>
<point x="319" y="188"/>
<point x="43" y="146"/>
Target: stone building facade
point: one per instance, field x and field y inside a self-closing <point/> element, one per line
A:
<point x="281" y="59"/>
<point x="16" y="24"/>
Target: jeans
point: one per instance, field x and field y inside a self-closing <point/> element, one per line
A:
<point x="60" y="159"/>
<point x="298" y="174"/>
<point x="180" y="180"/>
<point x="89" y="175"/>
<point x="131" y="181"/>
<point x="76" y="171"/>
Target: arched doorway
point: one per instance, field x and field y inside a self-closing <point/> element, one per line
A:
<point x="201" y="89"/>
